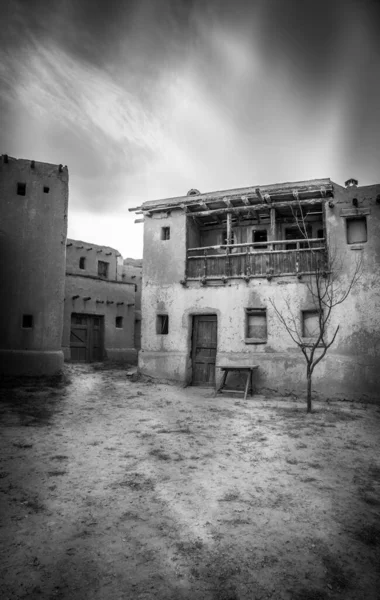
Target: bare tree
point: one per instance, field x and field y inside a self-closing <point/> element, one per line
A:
<point x="327" y="288"/>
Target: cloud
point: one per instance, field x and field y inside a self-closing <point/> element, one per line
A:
<point x="145" y="100"/>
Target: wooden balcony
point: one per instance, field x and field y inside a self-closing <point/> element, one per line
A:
<point x="260" y="259"/>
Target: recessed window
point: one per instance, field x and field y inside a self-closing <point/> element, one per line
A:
<point x="310" y="323"/>
<point x="119" y="322"/>
<point x="21" y="189"/>
<point x="256" y="325"/>
<point x="82" y="262"/>
<point x="103" y="268"/>
<point x="356" y="230"/>
<point x="162" y="324"/>
<point x="320" y="233"/>
<point x="165" y="233"/>
<point x="260" y="235"/>
<point x="27" y="321"/>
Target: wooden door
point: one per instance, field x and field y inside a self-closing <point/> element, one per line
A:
<point x="204" y="350"/>
<point x="86" y="338"/>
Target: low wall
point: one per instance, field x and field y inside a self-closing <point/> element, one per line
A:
<point x="31" y="362"/>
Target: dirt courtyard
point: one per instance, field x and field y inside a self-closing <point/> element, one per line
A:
<point x="117" y="489"/>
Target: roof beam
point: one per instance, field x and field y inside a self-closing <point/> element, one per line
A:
<point x="237" y="209"/>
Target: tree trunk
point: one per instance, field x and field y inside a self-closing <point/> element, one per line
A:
<point x="308" y="391"/>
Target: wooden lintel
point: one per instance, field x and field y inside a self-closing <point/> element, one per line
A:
<point x="256" y="207"/>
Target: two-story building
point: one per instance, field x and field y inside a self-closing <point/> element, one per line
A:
<point x="99" y="312"/>
<point x="214" y="262"/>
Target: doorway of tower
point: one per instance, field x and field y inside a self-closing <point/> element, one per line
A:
<point x="86" y="338"/>
<point x="203" y="351"/>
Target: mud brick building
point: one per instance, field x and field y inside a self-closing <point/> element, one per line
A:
<point x="34" y="202"/>
<point x="213" y="261"/>
<point x="99" y="310"/>
<point x="131" y="271"/>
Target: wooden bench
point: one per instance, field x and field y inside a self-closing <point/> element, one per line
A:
<point x="242" y="369"/>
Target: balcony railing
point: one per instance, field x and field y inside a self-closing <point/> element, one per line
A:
<point x="259" y="259"/>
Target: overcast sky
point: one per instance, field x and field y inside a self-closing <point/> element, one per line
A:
<point x="145" y="99"/>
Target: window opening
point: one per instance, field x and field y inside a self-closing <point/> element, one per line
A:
<point x="119" y="322"/>
<point x="310" y="323"/>
<point x="46" y="189"/>
<point x="256" y="324"/>
<point x="103" y="268"/>
<point x="162" y="325"/>
<point x="27" y="321"/>
<point x="82" y="262"/>
<point x="260" y="235"/>
<point x="21" y="189"/>
<point x="165" y="233"/>
<point x="356" y="230"/>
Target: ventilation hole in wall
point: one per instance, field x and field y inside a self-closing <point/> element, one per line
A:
<point x="21" y="189"/>
<point x="46" y="189"/>
<point x="27" y="321"/>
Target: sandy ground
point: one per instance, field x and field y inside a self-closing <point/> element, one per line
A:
<point x="113" y="489"/>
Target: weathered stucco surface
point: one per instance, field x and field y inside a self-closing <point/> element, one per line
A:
<point x="120" y="295"/>
<point x="32" y="264"/>
<point x="131" y="271"/>
<point x="351" y="367"/>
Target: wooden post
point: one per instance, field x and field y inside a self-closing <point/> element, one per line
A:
<point x="229" y="228"/>
<point x="272" y="223"/>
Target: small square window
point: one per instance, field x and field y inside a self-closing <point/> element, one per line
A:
<point x="256" y="325"/>
<point x="103" y="268"/>
<point x="119" y="322"/>
<point x="165" y="233"/>
<point x="27" y="321"/>
<point x="260" y="235"/>
<point x="310" y="323"/>
<point x="356" y="230"/>
<point x="82" y="262"/>
<point x="162" y="324"/>
<point x="21" y="189"/>
<point x="46" y="189"/>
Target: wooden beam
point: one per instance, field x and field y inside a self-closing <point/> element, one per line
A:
<point x="256" y="207"/>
